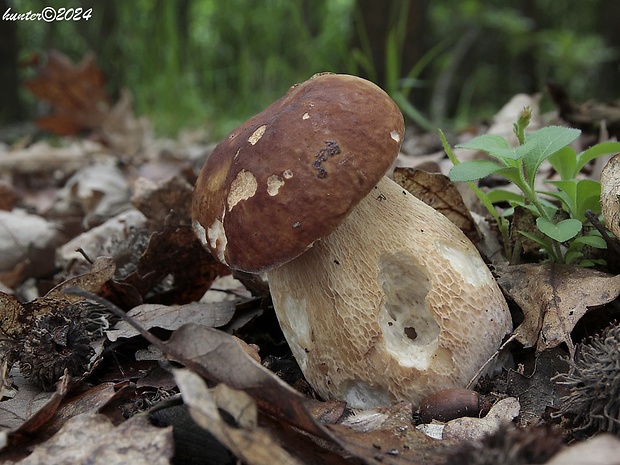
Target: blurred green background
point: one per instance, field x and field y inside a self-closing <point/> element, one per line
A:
<point x="216" y="62"/>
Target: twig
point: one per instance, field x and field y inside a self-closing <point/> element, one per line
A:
<point x="512" y="337"/>
<point x="611" y="242"/>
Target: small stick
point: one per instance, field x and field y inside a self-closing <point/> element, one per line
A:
<point x="611" y="242"/>
<point x="512" y="337"/>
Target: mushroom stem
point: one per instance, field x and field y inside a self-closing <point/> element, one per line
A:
<point x="395" y="304"/>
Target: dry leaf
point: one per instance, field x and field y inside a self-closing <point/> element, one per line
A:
<point x="92" y="439"/>
<point x="26" y="238"/>
<point x="440" y="193"/>
<point x="96" y="192"/>
<point x="553" y="298"/>
<point x="394" y="440"/>
<point x="104" y="239"/>
<point x="250" y="443"/>
<point x="76" y="93"/>
<point x="532" y="384"/>
<point x="610" y="192"/>
<point x="217" y="357"/>
<point x="474" y="429"/>
<point x="172" y="317"/>
<point x="41" y="158"/>
<point x="177" y="264"/>
<point x="156" y="200"/>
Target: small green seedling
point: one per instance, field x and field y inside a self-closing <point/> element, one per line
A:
<point x="560" y="223"/>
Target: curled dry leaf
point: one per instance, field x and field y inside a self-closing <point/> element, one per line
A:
<point x="96" y="192"/>
<point x="610" y="192"/>
<point x="26" y="415"/>
<point x="252" y="444"/>
<point x="104" y="239"/>
<point x="172" y="317"/>
<point x="219" y="358"/>
<point x="439" y="192"/>
<point x="553" y="298"/>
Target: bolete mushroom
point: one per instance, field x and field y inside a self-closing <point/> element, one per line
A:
<point x="380" y="297"/>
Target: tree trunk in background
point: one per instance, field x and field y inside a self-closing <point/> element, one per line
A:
<point x="10" y="107"/>
<point x="376" y="18"/>
<point x="609" y="19"/>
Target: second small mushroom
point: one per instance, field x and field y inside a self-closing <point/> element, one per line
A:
<point x="380" y="297"/>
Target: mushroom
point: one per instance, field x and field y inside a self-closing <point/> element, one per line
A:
<point x="380" y="297"/>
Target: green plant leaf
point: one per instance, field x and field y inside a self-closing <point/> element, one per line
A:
<point x="564" y="161"/>
<point x="578" y="196"/>
<point x="502" y="195"/>
<point x="561" y="231"/>
<point x="485" y="142"/>
<point x="474" y="170"/>
<point x="593" y="241"/>
<point x="543" y="143"/>
<point x="544" y="243"/>
<point x="603" y="148"/>
<point x="494" y="145"/>
<point x="572" y="255"/>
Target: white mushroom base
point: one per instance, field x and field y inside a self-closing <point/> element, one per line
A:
<point x="396" y="304"/>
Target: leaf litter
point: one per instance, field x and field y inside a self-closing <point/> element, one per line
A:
<point x="126" y="241"/>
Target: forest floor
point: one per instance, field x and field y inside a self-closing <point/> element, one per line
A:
<point x="96" y="233"/>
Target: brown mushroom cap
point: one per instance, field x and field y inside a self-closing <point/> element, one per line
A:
<point x="292" y="173"/>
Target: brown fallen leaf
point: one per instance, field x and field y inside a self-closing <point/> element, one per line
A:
<point x="92" y="439"/>
<point x="76" y="93"/>
<point x="532" y="384"/>
<point x="156" y="200"/>
<point x="217" y="357"/>
<point x="249" y="442"/>
<point x="175" y="268"/>
<point x="213" y="314"/>
<point x="439" y="192"/>
<point x="553" y="298"/>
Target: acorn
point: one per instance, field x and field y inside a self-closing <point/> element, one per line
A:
<point x="593" y="383"/>
<point x="453" y="403"/>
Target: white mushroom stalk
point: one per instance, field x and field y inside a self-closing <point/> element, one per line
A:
<point x="395" y="304"/>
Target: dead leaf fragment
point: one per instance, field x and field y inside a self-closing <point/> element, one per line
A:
<point x="92" y="439"/>
<point x="172" y="317"/>
<point x="553" y="298"/>
<point x="156" y="200"/>
<point x="26" y="237"/>
<point x="474" y="429"/>
<point x="439" y="192"/>
<point x="76" y="93"/>
<point x="253" y="445"/>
